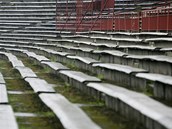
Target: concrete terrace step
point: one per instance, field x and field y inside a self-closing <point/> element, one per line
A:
<point x="77" y="79"/>
<point x="29" y="7"/>
<point x="28" y="39"/>
<point x="131" y="49"/>
<point x="134" y="83"/>
<point x="37" y="31"/>
<point x="29" y="35"/>
<point x="39" y="85"/>
<point x="117" y="41"/>
<point x="141" y="35"/>
<point x="9" y="27"/>
<point x="34" y="3"/>
<point x="160" y="42"/>
<point x="41" y="14"/>
<point x="27" y="18"/>
<point x="140" y="49"/>
<point x="71" y="116"/>
<point x="17" y="21"/>
<point x="26" y="72"/>
<point x="143" y="107"/>
<point x="133" y="105"/>
<point x="3" y="94"/>
<point x="75" y="76"/>
<point x="36" y="58"/>
<point x="2" y="81"/>
<point x="162" y="84"/>
<point x="14" y="24"/>
<point x="139" y="61"/>
<point x="13" y="42"/>
<point x="120" y="74"/>
<point x="3" y="91"/>
<point x="7" y="118"/>
<point x="135" y="60"/>
<point x="27" y="11"/>
<point x="55" y="67"/>
<point x="41" y="28"/>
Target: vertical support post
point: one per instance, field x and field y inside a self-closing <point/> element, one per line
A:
<point x="56" y="15"/>
<point x="157" y="14"/>
<point x="149" y="13"/>
<point x="113" y="22"/>
<point x="67" y="16"/>
<point x="79" y="10"/>
<point x="168" y="17"/>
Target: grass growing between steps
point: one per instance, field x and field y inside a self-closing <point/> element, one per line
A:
<point x="28" y="102"/>
<point x="95" y="109"/>
<point x="6" y="70"/>
<point x="24" y="100"/>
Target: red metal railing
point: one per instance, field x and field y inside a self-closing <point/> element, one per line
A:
<point x="159" y="19"/>
<point x="126" y="21"/>
<point x="105" y="21"/>
<point x="84" y="15"/>
<point x="87" y="15"/>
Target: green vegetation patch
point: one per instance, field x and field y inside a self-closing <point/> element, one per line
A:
<point x="44" y="122"/>
<point x="76" y="96"/>
<point x="26" y="103"/>
<point x="17" y="85"/>
<point x="51" y="78"/>
<point x="7" y="70"/>
<point x="31" y="64"/>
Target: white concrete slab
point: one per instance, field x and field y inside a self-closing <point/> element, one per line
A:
<point x="40" y="85"/>
<point x="156" y="77"/>
<point x="55" y="65"/>
<point x="26" y="72"/>
<point x="2" y="81"/>
<point x="120" y="68"/>
<point x="79" y="76"/>
<point x="70" y="115"/>
<point x="7" y="119"/>
<point x="3" y="94"/>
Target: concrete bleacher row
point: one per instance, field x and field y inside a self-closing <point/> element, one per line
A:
<point x="122" y="74"/>
<point x="109" y="69"/>
<point x="134" y="60"/>
<point x="55" y="101"/>
<point x="17" y="14"/>
<point x="130" y="5"/>
<point x="94" y="87"/>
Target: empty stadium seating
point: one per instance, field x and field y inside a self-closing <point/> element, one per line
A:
<point x="117" y="68"/>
